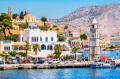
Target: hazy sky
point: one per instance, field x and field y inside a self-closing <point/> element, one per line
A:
<point x="49" y="8"/>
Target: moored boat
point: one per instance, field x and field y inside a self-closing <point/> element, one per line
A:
<point x="103" y="65"/>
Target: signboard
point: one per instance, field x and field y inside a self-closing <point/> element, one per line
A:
<point x="6" y="42"/>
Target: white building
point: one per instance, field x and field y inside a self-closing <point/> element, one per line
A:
<point x="46" y="39"/>
<point x="94" y="49"/>
<point x="74" y="34"/>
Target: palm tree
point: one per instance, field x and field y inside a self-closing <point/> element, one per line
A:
<point x="5" y="56"/>
<point x="58" y="49"/>
<point x="75" y="50"/>
<point x="44" y="19"/>
<point x="26" y="48"/>
<point x="83" y="37"/>
<point x="36" y="47"/>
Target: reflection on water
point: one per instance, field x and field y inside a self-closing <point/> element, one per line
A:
<point x="76" y="73"/>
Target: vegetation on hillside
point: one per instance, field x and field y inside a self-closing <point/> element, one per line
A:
<point x="61" y="38"/>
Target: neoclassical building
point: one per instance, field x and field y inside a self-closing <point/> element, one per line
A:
<point x="46" y="39"/>
<point x="29" y="18"/>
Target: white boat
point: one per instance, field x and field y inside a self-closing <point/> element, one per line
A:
<point x="81" y="51"/>
<point x="103" y="65"/>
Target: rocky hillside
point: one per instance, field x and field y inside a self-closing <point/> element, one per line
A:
<point x="108" y="17"/>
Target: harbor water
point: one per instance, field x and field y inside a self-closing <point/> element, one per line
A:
<point x="70" y="73"/>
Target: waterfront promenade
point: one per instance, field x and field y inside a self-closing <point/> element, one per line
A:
<point x="43" y="66"/>
<point x="83" y="64"/>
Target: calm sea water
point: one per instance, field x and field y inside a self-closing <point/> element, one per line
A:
<point x="76" y="73"/>
<point x="111" y="54"/>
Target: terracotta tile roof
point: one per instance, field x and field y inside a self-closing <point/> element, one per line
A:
<point x="13" y="31"/>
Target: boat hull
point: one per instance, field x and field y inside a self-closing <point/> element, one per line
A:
<point x="104" y="66"/>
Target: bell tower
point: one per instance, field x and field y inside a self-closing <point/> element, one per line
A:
<point x="94" y="48"/>
<point x="10" y="11"/>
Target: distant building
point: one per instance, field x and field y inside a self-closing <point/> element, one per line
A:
<point x="74" y="34"/>
<point x="76" y="42"/>
<point x="29" y="18"/>
<point x="94" y="48"/>
<point x="16" y="27"/>
<point x="32" y="24"/>
<point x="8" y="46"/>
<point x="10" y="11"/>
<point x="105" y="42"/>
<point x="115" y="37"/>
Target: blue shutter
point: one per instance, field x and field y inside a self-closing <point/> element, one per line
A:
<point x="40" y="38"/>
<point x="46" y="39"/>
<point x="51" y="38"/>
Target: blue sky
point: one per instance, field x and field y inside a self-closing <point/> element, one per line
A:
<point x="49" y="8"/>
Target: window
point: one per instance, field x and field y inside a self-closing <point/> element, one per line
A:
<point x="6" y="48"/>
<point x="40" y="38"/>
<point x="22" y="38"/>
<point x="37" y="39"/>
<point x="32" y="39"/>
<point x="51" y="38"/>
<point x="46" y="39"/>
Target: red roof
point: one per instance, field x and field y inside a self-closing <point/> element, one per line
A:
<point x="104" y="57"/>
<point x="27" y="12"/>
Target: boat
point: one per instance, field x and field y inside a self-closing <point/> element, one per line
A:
<point x="103" y="65"/>
<point x="81" y="51"/>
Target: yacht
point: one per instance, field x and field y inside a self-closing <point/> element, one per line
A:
<point x="103" y="65"/>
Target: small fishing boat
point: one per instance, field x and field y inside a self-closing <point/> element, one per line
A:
<point x="81" y="51"/>
<point x="103" y="65"/>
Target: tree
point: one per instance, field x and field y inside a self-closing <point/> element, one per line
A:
<point x="83" y="37"/>
<point x="36" y="47"/>
<point x="45" y="27"/>
<point x="14" y="16"/>
<point x="5" y="56"/>
<point x="75" y="50"/>
<point x="22" y="54"/>
<point x="55" y="26"/>
<point x="44" y="19"/>
<point x="21" y="15"/>
<point x="26" y="48"/>
<point x="58" y="49"/>
<point x="13" y="53"/>
<point x="61" y="38"/>
<point x="111" y="47"/>
<point x="1" y="36"/>
<point x="5" y="22"/>
<point x="25" y="13"/>
<point x="82" y="55"/>
<point x="24" y="25"/>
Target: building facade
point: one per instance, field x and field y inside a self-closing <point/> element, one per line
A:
<point x="8" y="46"/>
<point x="94" y="48"/>
<point x="46" y="40"/>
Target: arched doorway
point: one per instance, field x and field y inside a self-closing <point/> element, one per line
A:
<point x="64" y="47"/>
<point x="49" y="47"/>
<point x="43" y="47"/>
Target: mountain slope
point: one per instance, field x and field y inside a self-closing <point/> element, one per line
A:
<point x="108" y="17"/>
